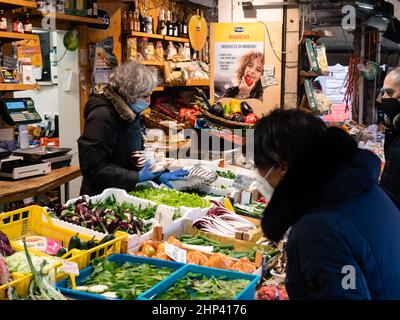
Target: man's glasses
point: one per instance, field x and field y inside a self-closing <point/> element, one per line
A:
<point x="388" y="91"/>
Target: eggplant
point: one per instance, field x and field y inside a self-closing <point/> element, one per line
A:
<point x="217" y="109"/>
<point x="245" y="108"/>
<point x="237" y="117"/>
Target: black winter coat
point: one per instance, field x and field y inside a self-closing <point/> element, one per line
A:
<point x="390" y="179"/>
<point x="111" y="133"/>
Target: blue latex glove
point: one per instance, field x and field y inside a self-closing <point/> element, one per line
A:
<point x="166" y="177"/>
<point x="145" y="174"/>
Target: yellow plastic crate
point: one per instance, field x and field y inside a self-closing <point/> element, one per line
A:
<point x="18" y="283"/>
<point x="34" y="221"/>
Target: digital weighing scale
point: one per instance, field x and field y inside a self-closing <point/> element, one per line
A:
<point x="28" y="162"/>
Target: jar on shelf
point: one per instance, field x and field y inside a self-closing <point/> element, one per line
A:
<point x="17" y="25"/>
<point x="3" y="21"/>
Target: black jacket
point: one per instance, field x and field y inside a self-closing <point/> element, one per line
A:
<point x="390" y="179"/>
<point x="340" y="218"/>
<point x="111" y="134"/>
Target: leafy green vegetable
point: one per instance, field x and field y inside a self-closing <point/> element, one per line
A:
<point x="195" y="286"/>
<point x="170" y="197"/>
<point x="128" y="280"/>
<point x="107" y="216"/>
<point x="226" y="174"/>
<point x="227" y="249"/>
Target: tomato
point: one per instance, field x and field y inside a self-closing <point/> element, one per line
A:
<point x="151" y="243"/>
<point x="148" y="250"/>
<point x="139" y="254"/>
<point x="249" y="80"/>
<point x="250" y="118"/>
<point x="172" y="240"/>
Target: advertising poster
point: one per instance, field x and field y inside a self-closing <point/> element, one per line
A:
<point x="237" y="60"/>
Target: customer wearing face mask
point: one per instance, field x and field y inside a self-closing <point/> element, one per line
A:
<point x="112" y="136"/>
<point x="390" y="105"/>
<point x="344" y="229"/>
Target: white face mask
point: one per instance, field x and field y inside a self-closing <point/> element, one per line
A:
<point x="262" y="184"/>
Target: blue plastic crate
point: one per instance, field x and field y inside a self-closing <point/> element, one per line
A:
<point x="119" y="258"/>
<point x="247" y="293"/>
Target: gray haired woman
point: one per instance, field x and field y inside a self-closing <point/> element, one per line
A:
<point x="112" y="132"/>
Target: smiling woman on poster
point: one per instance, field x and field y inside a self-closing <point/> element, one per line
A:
<point x="251" y="68"/>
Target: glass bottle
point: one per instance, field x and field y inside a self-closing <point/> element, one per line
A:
<point x="17" y="25"/>
<point x="162" y="27"/>
<point x="149" y="24"/>
<point x="3" y="21"/>
<point x="27" y="23"/>
<point x="131" y="22"/>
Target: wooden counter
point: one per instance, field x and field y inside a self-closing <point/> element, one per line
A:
<point x="13" y="190"/>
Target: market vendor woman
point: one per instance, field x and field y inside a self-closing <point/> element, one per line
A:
<point x="112" y="133"/>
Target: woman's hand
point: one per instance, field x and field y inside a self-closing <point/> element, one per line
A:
<point x="166" y="177"/>
<point x="139" y="160"/>
<point x="146" y="174"/>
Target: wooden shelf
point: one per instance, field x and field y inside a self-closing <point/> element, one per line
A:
<point x="198" y="83"/>
<point x="17" y="86"/>
<point x="152" y="63"/>
<point x="157" y="36"/>
<point x="189" y="83"/>
<point x="14" y="36"/>
<point x="146" y="35"/>
<point x="12" y="4"/>
<point x="176" y="39"/>
<point x="309" y="74"/>
<point x="158" y="89"/>
<point x="66" y="18"/>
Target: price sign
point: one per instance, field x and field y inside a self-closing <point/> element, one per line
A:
<point x="175" y="253"/>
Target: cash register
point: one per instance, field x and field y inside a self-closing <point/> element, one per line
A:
<point x="27" y="162"/>
<point x="20" y="111"/>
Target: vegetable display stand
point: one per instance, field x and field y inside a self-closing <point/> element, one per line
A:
<point x="121" y="196"/>
<point x="120" y="259"/>
<point x="34" y="221"/>
<point x="212" y="274"/>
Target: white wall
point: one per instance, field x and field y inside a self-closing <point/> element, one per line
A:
<point x="45" y="99"/>
<point x="69" y="119"/>
<point x="231" y="11"/>
<point x="56" y="100"/>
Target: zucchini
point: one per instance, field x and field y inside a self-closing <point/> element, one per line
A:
<point x="97" y="288"/>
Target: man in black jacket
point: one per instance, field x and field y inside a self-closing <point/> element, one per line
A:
<point x="112" y="133"/>
<point x="390" y="105"/>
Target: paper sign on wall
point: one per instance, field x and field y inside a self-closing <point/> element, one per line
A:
<point x="237" y="60"/>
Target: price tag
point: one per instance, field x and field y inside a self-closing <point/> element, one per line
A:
<point x="268" y="81"/>
<point x="70" y="267"/>
<point x="175" y="253"/>
<point x="269" y="70"/>
<point x="242" y="182"/>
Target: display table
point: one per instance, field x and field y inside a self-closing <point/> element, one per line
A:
<point x="13" y="190"/>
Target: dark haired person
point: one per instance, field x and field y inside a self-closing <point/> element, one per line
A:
<point x="390" y="105"/>
<point x="344" y="234"/>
